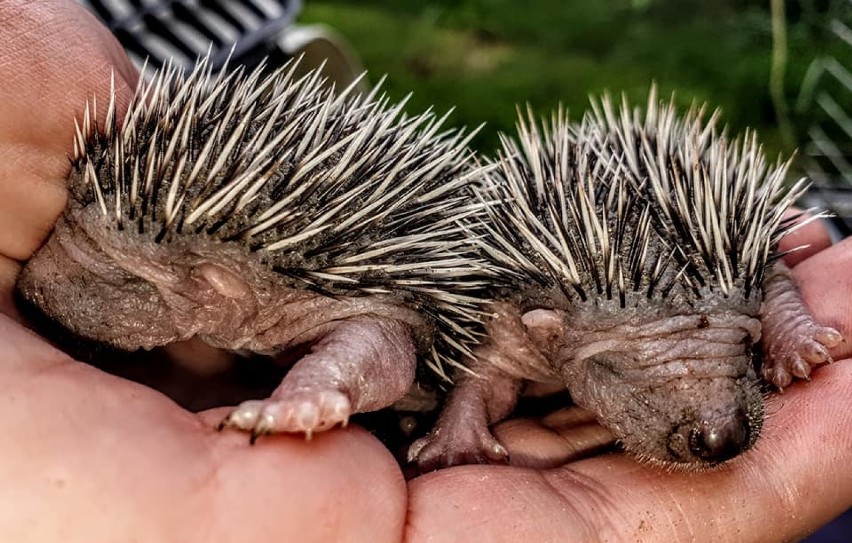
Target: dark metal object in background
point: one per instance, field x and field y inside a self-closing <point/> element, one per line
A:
<point x="184" y="29"/>
<point x="247" y="31"/>
<point x="825" y="98"/>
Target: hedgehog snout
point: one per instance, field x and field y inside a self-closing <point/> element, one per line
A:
<point x="712" y="438"/>
<point x="721" y="439"/>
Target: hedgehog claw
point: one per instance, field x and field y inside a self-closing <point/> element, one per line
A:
<point x="304" y="413"/>
<point x="801" y="369"/>
<point x="797" y="350"/>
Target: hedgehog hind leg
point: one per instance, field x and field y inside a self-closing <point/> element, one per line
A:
<point x="362" y="364"/>
<point x="461" y="435"/>
<point x="793" y="342"/>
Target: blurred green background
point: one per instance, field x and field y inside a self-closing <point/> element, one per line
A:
<point x="487" y="56"/>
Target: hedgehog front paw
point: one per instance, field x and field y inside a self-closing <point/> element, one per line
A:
<point x="794" y="351"/>
<point x="452" y="445"/>
<point x="302" y="412"/>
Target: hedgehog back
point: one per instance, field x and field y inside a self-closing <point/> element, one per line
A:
<point x="340" y="194"/>
<point x="632" y="211"/>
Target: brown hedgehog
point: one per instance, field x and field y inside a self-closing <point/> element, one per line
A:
<point x="267" y="214"/>
<point x="635" y="264"/>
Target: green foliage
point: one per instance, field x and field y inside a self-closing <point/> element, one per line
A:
<point x="487" y="56"/>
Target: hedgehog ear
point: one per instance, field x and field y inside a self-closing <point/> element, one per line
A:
<point x="544" y="325"/>
<point x="150" y="271"/>
<point x="227" y="283"/>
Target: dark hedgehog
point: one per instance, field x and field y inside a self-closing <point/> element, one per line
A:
<point x="635" y="262"/>
<point x="266" y="214"/>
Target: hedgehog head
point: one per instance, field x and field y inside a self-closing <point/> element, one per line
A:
<point x="126" y="289"/>
<point x="648" y="235"/>
<point x="77" y="290"/>
<point x="678" y="390"/>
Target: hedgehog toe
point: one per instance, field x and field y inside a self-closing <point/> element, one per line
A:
<point x="453" y="446"/>
<point x="305" y="412"/>
<point x="798" y="352"/>
<point x="244" y="417"/>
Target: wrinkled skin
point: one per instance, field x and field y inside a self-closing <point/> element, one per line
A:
<point x="634" y="377"/>
<point x="86" y="442"/>
<point x="679" y="390"/>
<point x="121" y="288"/>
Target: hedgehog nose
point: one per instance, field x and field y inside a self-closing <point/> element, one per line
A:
<point x="716" y="440"/>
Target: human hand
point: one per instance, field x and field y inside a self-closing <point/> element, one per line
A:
<point x="95" y="457"/>
<point x="91" y="457"/>
<point x="796" y="478"/>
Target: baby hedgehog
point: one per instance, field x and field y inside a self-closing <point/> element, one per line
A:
<point x="265" y="214"/>
<point x="636" y="266"/>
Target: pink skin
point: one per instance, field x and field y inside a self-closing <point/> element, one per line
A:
<point x="794" y="343"/>
<point x="356" y="365"/>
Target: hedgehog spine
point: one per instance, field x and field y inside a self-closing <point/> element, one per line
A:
<point x="591" y="206"/>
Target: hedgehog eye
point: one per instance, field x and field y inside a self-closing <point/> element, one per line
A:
<point x="83" y="250"/>
<point x="117" y="275"/>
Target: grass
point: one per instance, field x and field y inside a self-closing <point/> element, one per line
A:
<point x="485" y="57"/>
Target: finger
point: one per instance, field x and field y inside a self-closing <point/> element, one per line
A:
<point x="563" y="436"/>
<point x="793" y="481"/>
<point x="806" y="240"/>
<point x="342" y="485"/>
<point x="86" y="443"/>
<point x="825" y="282"/>
<point x="56" y="56"/>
